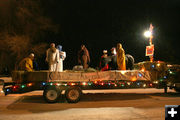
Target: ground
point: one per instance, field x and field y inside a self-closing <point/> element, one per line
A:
<point x="122" y="104"/>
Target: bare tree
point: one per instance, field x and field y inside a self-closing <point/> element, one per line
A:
<point x="22" y="32"/>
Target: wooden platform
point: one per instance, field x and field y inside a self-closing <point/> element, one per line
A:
<point x="45" y="76"/>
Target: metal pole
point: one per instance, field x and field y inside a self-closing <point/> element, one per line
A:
<point x="150" y="41"/>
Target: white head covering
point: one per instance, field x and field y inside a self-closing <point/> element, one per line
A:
<point x="31" y="55"/>
<point x="105" y="51"/>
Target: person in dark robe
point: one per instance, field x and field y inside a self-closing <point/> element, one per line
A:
<point x="83" y="57"/>
<point x="129" y="62"/>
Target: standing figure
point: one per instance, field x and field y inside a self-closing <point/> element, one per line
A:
<point x="113" y="63"/>
<point x="52" y="57"/>
<point x="27" y="63"/>
<point x="121" y="57"/>
<point x="62" y="56"/>
<point x="104" y="62"/>
<point x="83" y="57"/>
<point x="129" y="62"/>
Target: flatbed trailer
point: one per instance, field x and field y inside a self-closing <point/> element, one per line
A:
<point x="73" y="82"/>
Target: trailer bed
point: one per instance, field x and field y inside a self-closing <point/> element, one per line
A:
<point x="78" y="76"/>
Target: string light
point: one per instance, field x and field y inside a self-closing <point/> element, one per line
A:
<point x="43" y="83"/>
<point x="123" y="72"/>
<point x="139" y="74"/>
<point x="152" y="66"/>
<point x="89" y="84"/>
<point x="138" y="84"/>
<point x="158" y="64"/>
<point x="95" y="82"/>
<point x="134" y="79"/>
<point x="58" y="84"/>
<point x="30" y="84"/>
<point x="143" y="69"/>
<point x="23" y="86"/>
<point x="73" y="84"/>
<point x="102" y="83"/>
<point x="84" y="83"/>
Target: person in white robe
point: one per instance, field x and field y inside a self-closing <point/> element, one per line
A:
<point x="52" y="57"/>
<point x="62" y="56"/>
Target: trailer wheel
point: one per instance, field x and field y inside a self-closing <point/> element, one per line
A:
<point x="51" y="94"/>
<point x="73" y="94"/>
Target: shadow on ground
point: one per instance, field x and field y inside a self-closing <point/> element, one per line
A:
<point x="36" y="103"/>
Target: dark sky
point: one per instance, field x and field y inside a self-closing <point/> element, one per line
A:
<point x="101" y="24"/>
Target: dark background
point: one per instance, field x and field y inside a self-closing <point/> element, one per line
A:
<point x="101" y="24"/>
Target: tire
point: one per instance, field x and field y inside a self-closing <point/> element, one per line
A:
<point x="73" y="94"/>
<point x="51" y="94"/>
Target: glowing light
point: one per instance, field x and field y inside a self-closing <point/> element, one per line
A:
<point x="139" y="74"/>
<point x="84" y="83"/>
<point x="51" y="83"/>
<point x="138" y="84"/>
<point x="23" y="86"/>
<point x="123" y="72"/>
<point x="43" y="83"/>
<point x="158" y="64"/>
<point x="147" y="34"/>
<point x="152" y="66"/>
<point x="30" y="84"/>
<point x="58" y="84"/>
<point x="150" y="84"/>
<point x="95" y="82"/>
<point x="7" y="90"/>
<point x="143" y="69"/>
<point x="165" y="77"/>
<point x="122" y="85"/>
<point x="102" y="83"/>
<point x="115" y="85"/>
<point x="144" y="85"/>
<point x="156" y="82"/>
<point x="65" y="84"/>
<point x="128" y="83"/>
<point x="134" y="79"/>
<point x="2" y="91"/>
<point x="89" y="84"/>
<point x="73" y="84"/>
<point x="109" y="83"/>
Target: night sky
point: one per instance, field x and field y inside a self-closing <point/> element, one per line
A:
<point x="101" y="24"/>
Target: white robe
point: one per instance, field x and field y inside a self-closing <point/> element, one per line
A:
<point x="62" y="56"/>
<point x="52" y="59"/>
